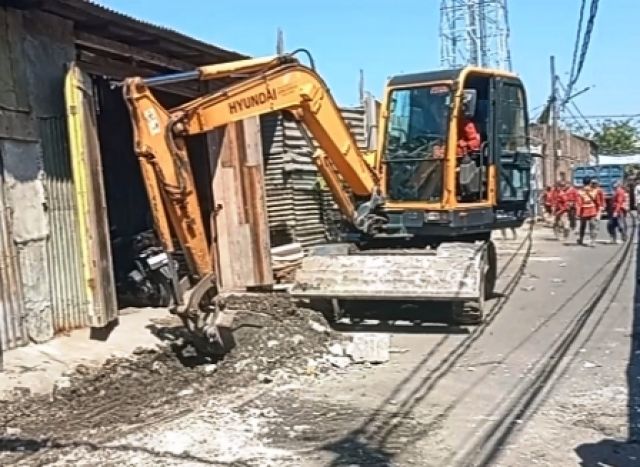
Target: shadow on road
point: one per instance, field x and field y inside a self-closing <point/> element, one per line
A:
<point x="25" y="447"/>
<point x="396" y="317"/>
<point x="623" y="453"/>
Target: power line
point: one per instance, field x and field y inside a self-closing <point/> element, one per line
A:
<point x="573" y="104"/>
<point x="612" y="116"/>
<point x="573" y="79"/>
<point x="577" y="44"/>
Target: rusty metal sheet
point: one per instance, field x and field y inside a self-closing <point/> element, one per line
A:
<point x="91" y="210"/>
<point x="452" y="274"/>
<point x="69" y="301"/>
<point x="12" y="330"/>
<point x="298" y="211"/>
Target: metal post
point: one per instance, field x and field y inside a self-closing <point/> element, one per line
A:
<point x="554" y="120"/>
<point x="280" y="43"/>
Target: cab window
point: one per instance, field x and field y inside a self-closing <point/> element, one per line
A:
<point x="512" y="124"/>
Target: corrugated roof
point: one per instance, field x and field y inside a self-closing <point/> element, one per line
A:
<point x="89" y="16"/>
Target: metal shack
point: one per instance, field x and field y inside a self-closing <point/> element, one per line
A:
<point x="60" y="116"/>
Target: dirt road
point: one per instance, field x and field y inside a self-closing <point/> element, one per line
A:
<point x="551" y="378"/>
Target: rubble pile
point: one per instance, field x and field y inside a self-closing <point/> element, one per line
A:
<point x="275" y="341"/>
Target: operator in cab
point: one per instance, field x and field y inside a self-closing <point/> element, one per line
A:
<point x="470" y="140"/>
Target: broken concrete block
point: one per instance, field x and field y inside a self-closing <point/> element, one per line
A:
<point x="339" y="362"/>
<point x="372" y="348"/>
<point x="336" y="349"/>
<point x="63" y="382"/>
<point x="317" y="327"/>
<point x="209" y="368"/>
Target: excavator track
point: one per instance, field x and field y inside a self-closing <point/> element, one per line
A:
<point x="457" y="272"/>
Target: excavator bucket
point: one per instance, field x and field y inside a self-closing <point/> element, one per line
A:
<point x="453" y="272"/>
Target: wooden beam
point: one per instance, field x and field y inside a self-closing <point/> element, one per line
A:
<point x="242" y="246"/>
<point x="118" y="70"/>
<point x="101" y="44"/>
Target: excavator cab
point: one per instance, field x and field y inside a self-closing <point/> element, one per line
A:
<point x="454" y="157"/>
<point x="453" y="164"/>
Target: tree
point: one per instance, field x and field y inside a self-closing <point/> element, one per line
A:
<point x="617" y="137"/>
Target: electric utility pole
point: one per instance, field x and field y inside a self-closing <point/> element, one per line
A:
<point x="554" y="120"/>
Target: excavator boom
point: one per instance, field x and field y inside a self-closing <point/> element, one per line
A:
<point x="275" y="83"/>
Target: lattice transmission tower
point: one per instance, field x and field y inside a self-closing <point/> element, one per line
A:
<point x="474" y="32"/>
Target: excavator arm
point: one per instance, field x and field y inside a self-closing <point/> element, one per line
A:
<point x="273" y="84"/>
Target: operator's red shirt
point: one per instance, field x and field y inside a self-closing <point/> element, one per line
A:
<point x="470" y="140"/>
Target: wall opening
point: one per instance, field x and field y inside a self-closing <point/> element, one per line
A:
<point x="130" y="222"/>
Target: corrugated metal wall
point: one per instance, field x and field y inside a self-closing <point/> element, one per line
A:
<point x="12" y="330"/>
<point x="68" y="298"/>
<point x="298" y="210"/>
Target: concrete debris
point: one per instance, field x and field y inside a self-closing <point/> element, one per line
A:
<point x="189" y="352"/>
<point x="588" y="364"/>
<point x="297" y="339"/>
<point x="209" y="368"/>
<point x="371" y="348"/>
<point x="336" y="349"/>
<point x="157" y="380"/>
<point x="64" y="382"/>
<point x="10" y="431"/>
<point x="557" y="280"/>
<point x="272" y="343"/>
<point x="339" y="362"/>
<point x="312" y="367"/>
<point x="397" y="350"/>
<point x="264" y="378"/>
<point x="317" y="327"/>
<point x="528" y="288"/>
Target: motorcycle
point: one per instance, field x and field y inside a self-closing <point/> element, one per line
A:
<point x="146" y="275"/>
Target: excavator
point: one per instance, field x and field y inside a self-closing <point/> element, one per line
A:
<point x="418" y="211"/>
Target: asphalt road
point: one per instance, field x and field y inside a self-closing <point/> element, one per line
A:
<point x="551" y="378"/>
<point x="545" y="381"/>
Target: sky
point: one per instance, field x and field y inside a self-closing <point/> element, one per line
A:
<point x="385" y="38"/>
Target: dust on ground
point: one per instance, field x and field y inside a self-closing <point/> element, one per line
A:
<point x="276" y="341"/>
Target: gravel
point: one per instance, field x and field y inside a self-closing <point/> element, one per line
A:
<point x="275" y="343"/>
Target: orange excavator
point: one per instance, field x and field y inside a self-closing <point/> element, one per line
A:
<point x="418" y="211"/>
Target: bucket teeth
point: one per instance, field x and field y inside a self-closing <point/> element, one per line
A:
<point x="454" y="273"/>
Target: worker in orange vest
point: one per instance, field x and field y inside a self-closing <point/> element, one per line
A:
<point x="595" y="185"/>
<point x="618" y="214"/>
<point x="587" y="210"/>
<point x="561" y="210"/>
<point x="548" y="201"/>
<point x="572" y="200"/>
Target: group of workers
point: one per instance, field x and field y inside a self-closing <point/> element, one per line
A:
<point x="582" y="207"/>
